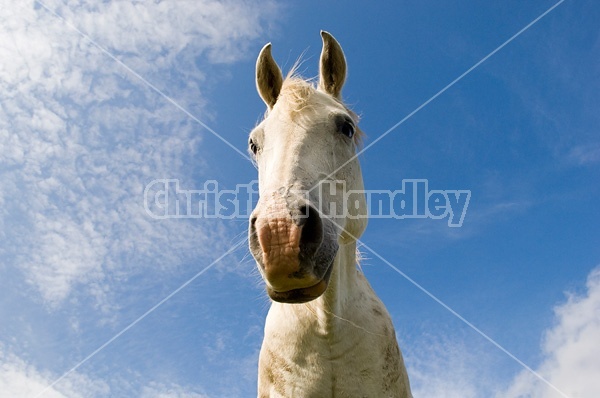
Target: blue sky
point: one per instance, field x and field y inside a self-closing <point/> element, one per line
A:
<point x="82" y="135"/>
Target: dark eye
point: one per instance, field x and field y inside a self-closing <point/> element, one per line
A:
<point x="347" y="128"/>
<point x="252" y="146"/>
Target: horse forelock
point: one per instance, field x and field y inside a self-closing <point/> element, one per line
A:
<point x="297" y="93"/>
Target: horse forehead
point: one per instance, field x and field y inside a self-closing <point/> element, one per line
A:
<point x="316" y="110"/>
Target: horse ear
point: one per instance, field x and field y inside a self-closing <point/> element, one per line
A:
<point x="268" y="76"/>
<point x="332" y="72"/>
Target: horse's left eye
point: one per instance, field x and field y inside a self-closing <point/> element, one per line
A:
<point x="252" y="146"/>
<point x="347" y="129"/>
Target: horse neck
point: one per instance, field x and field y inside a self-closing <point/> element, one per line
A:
<point x="342" y="285"/>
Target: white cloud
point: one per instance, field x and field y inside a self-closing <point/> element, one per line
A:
<point x="20" y="379"/>
<point x="454" y="366"/>
<point x="571" y="352"/>
<point x="80" y="136"/>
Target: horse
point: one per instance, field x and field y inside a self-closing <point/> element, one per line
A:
<point x="326" y="334"/>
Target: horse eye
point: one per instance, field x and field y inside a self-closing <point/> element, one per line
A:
<point x="252" y="146"/>
<point x="347" y="129"/>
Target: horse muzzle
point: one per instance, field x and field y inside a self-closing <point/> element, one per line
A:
<point x="294" y="248"/>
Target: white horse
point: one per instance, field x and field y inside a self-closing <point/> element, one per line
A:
<point x="327" y="334"/>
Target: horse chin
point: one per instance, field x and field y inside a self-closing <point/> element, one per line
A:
<point x="302" y="295"/>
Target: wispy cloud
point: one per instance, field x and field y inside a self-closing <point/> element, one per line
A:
<point x="159" y="390"/>
<point x="80" y="137"/>
<point x="585" y="154"/>
<point x="450" y="367"/>
<point x="557" y="86"/>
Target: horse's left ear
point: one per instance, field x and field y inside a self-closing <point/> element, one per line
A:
<point x="332" y="72"/>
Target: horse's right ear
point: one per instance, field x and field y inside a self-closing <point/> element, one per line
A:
<point x="268" y="77"/>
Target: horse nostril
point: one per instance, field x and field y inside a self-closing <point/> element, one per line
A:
<point x="252" y="229"/>
<point x="312" y="230"/>
<point x="302" y="216"/>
